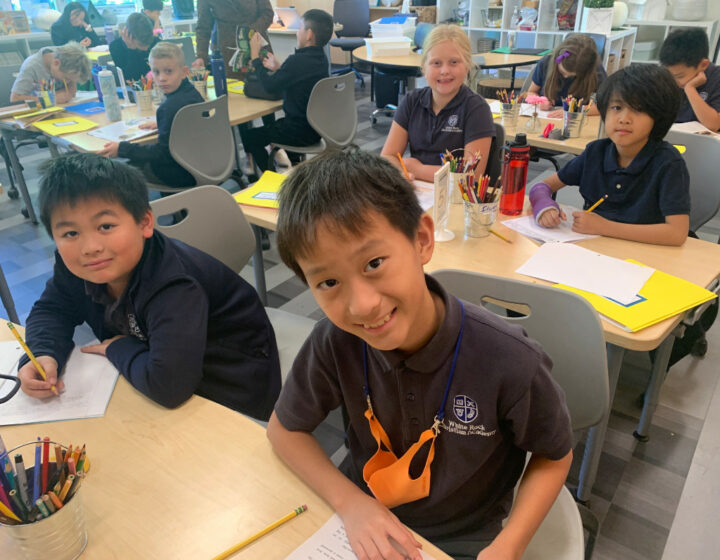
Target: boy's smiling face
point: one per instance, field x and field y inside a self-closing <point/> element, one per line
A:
<point x="100" y="241"/>
<point x="372" y="284"/>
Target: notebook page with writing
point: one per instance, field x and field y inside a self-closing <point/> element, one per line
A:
<point x="89" y="384"/>
<point x="560" y="234"/>
<point x="330" y="541"/>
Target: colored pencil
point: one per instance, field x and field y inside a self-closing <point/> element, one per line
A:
<point x="598" y="203"/>
<point x="402" y="164"/>
<point x="500" y="236"/>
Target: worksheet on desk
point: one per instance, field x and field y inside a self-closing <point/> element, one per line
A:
<point x="89" y="383"/>
<point x="562" y="233"/>
<point x="123" y="131"/>
<point x="330" y="542"/>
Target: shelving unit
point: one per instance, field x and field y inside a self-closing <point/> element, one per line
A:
<point x="493" y="22"/>
<point x="657" y="30"/>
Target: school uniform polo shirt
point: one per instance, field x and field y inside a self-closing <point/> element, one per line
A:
<point x="466" y="118"/>
<point x="709" y="92"/>
<point x="542" y="70"/>
<point x="655" y="184"/>
<point x="502" y="402"/>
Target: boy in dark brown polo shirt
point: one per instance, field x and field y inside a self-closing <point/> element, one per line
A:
<point x="455" y="392"/>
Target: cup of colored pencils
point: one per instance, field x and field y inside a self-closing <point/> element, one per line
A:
<point x="574" y="111"/>
<point x="142" y="89"/>
<point x="510" y="108"/>
<point x="480" y="202"/>
<point x="463" y="169"/>
<point x="40" y="506"/>
<point x="46" y="93"/>
<point x="198" y="77"/>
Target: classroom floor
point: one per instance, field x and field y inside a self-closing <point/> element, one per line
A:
<point x="639" y="484"/>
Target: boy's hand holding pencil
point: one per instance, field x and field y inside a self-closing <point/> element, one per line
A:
<point x="32" y="383"/>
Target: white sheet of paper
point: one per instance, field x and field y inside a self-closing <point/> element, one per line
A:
<point x="122" y="131"/>
<point x="495" y="107"/>
<point x="83" y="96"/>
<point x="587" y="270"/>
<point x="425" y="193"/>
<point x="693" y="127"/>
<point x="560" y="234"/>
<point x="330" y="542"/>
<point x="89" y="384"/>
<point x="10" y="354"/>
<point x="527" y="110"/>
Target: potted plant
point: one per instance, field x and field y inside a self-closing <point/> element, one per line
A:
<point x="597" y="16"/>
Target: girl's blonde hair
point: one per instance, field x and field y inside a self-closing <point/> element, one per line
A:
<point x="454" y="34"/>
<point x="73" y="60"/>
<point x="578" y="54"/>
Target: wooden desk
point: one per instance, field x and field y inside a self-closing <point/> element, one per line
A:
<point x="696" y="261"/>
<point x="186" y="483"/>
<point x="590" y="131"/>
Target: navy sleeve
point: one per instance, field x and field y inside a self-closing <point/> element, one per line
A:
<point x="53" y="318"/>
<point x="168" y="367"/>
<point x="712" y="88"/>
<point x="402" y="114"/>
<point x="479" y="120"/>
<point x="56" y="34"/>
<point x="572" y="172"/>
<point x="674" y="189"/>
<point x="279" y="80"/>
<point x="538" y="75"/>
<point x="143" y="153"/>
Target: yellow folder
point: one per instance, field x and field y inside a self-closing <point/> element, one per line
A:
<point x="264" y="193"/>
<point x="662" y="296"/>
<point x="237" y="87"/>
<point x="65" y="125"/>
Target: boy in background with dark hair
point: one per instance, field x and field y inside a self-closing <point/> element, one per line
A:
<point x="685" y="54"/>
<point x="130" y="51"/>
<point x="173" y="320"/>
<point x="400" y="355"/>
<point x="642" y="180"/>
<point x="155" y="160"/>
<point x="153" y="9"/>
<point x="295" y="79"/>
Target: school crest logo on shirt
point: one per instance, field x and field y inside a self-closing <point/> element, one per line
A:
<point x="452" y="124"/>
<point x="453" y="120"/>
<point x="135" y="328"/>
<point x="466" y="409"/>
<point x="703" y="95"/>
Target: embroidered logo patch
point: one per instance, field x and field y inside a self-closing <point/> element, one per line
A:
<point x="466" y="409"/>
<point x="452" y="121"/>
<point x="135" y="328"/>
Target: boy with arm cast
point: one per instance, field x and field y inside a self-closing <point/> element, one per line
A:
<point x="642" y="179"/>
<point x="172" y="319"/>
<point x="351" y="227"/>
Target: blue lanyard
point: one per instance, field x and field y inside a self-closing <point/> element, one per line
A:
<point x="441" y="411"/>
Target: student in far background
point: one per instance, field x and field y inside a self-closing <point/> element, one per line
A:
<point x="573" y="68"/>
<point x="685" y="53"/>
<point x="152" y="9"/>
<point x="642" y="180"/>
<point x="130" y="51"/>
<point x="155" y="161"/>
<point x="67" y="65"/>
<point x="446" y="115"/>
<point x="73" y="26"/>
<point x="295" y="79"/>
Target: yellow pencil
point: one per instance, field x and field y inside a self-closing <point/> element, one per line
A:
<point x="265" y="531"/>
<point x="598" y="203"/>
<point x="7" y="512"/>
<point x="500" y="236"/>
<point x="402" y="163"/>
<point x="30" y="355"/>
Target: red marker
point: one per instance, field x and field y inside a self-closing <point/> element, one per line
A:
<point x="45" y="463"/>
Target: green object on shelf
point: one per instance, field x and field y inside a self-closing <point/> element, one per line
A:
<point x="508" y="50"/>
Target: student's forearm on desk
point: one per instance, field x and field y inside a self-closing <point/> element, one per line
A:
<point x="21" y="97"/>
<point x="673" y="232"/>
<point x="539" y="487"/>
<point x="706" y="114"/>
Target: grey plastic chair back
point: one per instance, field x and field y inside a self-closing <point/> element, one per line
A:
<point x="354" y="16"/>
<point x="566" y="326"/>
<point x="185" y="43"/>
<point x="201" y="141"/>
<point x="214" y="224"/>
<point x="7" y="79"/>
<point x="699" y="154"/>
<point x="332" y="112"/>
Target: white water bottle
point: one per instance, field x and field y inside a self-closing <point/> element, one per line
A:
<point x="110" y="98"/>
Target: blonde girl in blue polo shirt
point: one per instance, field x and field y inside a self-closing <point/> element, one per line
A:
<point x="445" y="115"/>
<point x="641" y="179"/>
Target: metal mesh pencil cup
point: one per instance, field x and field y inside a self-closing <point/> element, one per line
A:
<point x="572" y="123"/>
<point x="61" y="536"/>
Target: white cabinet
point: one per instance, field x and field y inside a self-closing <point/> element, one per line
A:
<point x="487" y="21"/>
<point x="651" y="34"/>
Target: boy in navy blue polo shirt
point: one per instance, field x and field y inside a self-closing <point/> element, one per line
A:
<point x="642" y="180"/>
<point x="351" y="227"/>
<point x="173" y="320"/>
<point x="685" y="53"/>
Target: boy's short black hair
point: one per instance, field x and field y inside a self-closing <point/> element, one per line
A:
<point x="685" y="46"/>
<point x="646" y="88"/>
<point x="321" y="24"/>
<point x="75" y="177"/>
<point x="337" y="189"/>
<point x="152" y="5"/>
<point x="140" y="26"/>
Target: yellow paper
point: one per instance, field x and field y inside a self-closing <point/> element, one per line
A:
<point x="211" y="82"/>
<point x="65" y="125"/>
<point x="40" y="112"/>
<point x="264" y="193"/>
<point x="238" y="87"/>
<point x="665" y="296"/>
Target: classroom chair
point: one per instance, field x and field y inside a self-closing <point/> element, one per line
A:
<point x="201" y="141"/>
<point x="332" y="113"/>
<point x="7" y="299"/>
<point x="577" y="347"/>
<point x="354" y="17"/>
<point x="215" y="223"/>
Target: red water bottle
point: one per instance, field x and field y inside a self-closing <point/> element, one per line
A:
<point x="516" y="157"/>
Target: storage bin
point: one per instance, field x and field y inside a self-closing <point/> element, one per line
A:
<point x="388" y="46"/>
<point x="394" y="28"/>
<point x="647" y="9"/>
<point x="645" y="50"/>
<point x="689" y="10"/>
